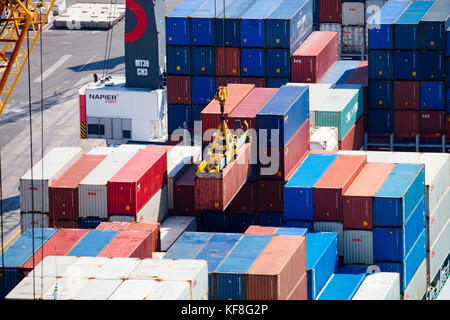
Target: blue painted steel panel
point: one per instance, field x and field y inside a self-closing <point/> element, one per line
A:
<point x="178" y="60"/>
<point x="289" y="25"/>
<point x="253" y="28"/>
<point x="448" y="43"/>
<point x="406" y="28"/>
<point x="381" y="64"/>
<point x="409" y="266"/>
<point x="203" y="89"/>
<point x="179" y="116"/>
<point x="432" y="95"/>
<point x="229" y="277"/>
<point x="286" y="111"/>
<point x="394" y="244"/>
<point x="291" y="231"/>
<point x="433" y="25"/>
<point x="196" y="110"/>
<point x="298" y="191"/>
<point x="271" y="219"/>
<point x="398" y="195"/>
<point x="215" y="221"/>
<point x="407" y="65"/>
<point x="340" y="72"/>
<point x="448" y="101"/>
<point x="177" y="22"/>
<point x="276" y="82"/>
<point x="432" y="66"/>
<point x="241" y="222"/>
<point x="380" y="94"/>
<point x="381" y="33"/>
<point x="203" y="61"/>
<point x="316" y="11"/>
<point x="321" y="260"/>
<point x="299" y="224"/>
<point x="278" y="63"/>
<point x="89" y="223"/>
<point x="253" y="62"/>
<point x="228" y="33"/>
<point x="380" y="122"/>
<point x="188" y="245"/>
<point x="10" y="278"/>
<point x="342" y="286"/>
<point x="447" y="78"/>
<point x="93" y="243"/>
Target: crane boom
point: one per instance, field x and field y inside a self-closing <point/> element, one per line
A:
<point x="20" y="16"/>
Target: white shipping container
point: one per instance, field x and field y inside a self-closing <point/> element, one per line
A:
<point x="38" y="220"/>
<point x="156" y="208"/>
<point x="418" y="286"/>
<point x="169" y="290"/>
<point x="173" y="227"/>
<point x="193" y="272"/>
<point x="325" y="226"/>
<point x="67" y="288"/>
<point x="35" y="182"/>
<point x="24" y="290"/>
<point x="92" y="190"/>
<point x="158" y="255"/>
<point x="53" y="266"/>
<point x="439" y="251"/>
<point x="438" y="218"/>
<point x="358" y="247"/>
<point x="353" y="38"/>
<point x="149" y="130"/>
<point x="98" y="289"/>
<point x="133" y="289"/>
<point x="353" y="14"/>
<point x="379" y="286"/>
<point x="323" y="138"/>
<point x="102" y="150"/>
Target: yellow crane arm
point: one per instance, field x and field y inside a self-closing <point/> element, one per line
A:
<point x="20" y="16"/>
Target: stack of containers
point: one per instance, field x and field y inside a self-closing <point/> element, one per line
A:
<point x="35" y="183"/>
<point x="353" y="29"/>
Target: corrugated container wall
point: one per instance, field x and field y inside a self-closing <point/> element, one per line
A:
<point x="379" y="286"/>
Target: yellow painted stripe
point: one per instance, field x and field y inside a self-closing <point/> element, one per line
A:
<point x="11" y="239"/>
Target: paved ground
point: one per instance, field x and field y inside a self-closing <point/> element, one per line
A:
<point x="70" y="58"/>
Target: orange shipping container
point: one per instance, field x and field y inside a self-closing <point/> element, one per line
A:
<point x="129" y="244"/>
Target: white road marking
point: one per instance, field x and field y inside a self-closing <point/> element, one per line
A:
<point x="52" y="69"/>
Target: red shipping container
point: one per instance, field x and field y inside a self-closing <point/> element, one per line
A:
<point x="260" y="230"/>
<point x="354" y="139"/>
<point x="357" y="200"/>
<point x="63" y="193"/>
<point x="330" y="11"/>
<point x="114" y="225"/>
<point x="137" y="181"/>
<point x="406" y="95"/>
<point x="432" y="124"/>
<point x="270" y="195"/>
<point x="289" y="157"/>
<point x="178" y="89"/>
<point x="210" y="116"/>
<point x="249" y="107"/>
<point x="60" y="244"/>
<point x="129" y="244"/>
<point x="246" y="200"/>
<point x="311" y="61"/>
<point x="275" y="273"/>
<point x="258" y="82"/>
<point x="217" y="193"/>
<point x="228" y="62"/>
<point x="224" y="81"/>
<point x="82" y="100"/>
<point x="183" y="191"/>
<point x="406" y="123"/>
<point x="333" y="184"/>
<point x="300" y="291"/>
<point x="63" y="224"/>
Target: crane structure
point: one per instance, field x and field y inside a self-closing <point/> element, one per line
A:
<point x="20" y="20"/>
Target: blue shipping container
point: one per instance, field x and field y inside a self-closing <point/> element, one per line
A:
<point x="276" y="82"/>
<point x="394" y="244"/>
<point x="93" y="243"/>
<point x="203" y="89"/>
<point x="89" y="223"/>
<point x="406" y="28"/>
<point x="448" y="101"/>
<point x="447" y="78"/>
<point x="229" y="277"/>
<point x="381" y="33"/>
<point x="271" y="219"/>
<point x="253" y="28"/>
<point x="291" y="231"/>
<point x="203" y="61"/>
<point x="316" y="12"/>
<point x="342" y="286"/>
<point x="381" y="65"/>
<point x="278" y="63"/>
<point x="432" y="66"/>
<point x="340" y="72"/>
<point x="241" y="222"/>
<point x="179" y="116"/>
<point x="178" y="60"/>
<point x="380" y="122"/>
<point x="299" y="224"/>
<point x="289" y="25"/>
<point x="321" y="260"/>
<point x="253" y="62"/>
<point x="380" y="95"/>
<point x="407" y="65"/>
<point x="448" y="42"/>
<point x="433" y="25"/>
<point x="178" y="24"/>
<point x="298" y="191"/>
<point x="285" y="112"/>
<point x="432" y="95"/>
<point x="215" y="221"/>
<point x="188" y="245"/>
<point x="196" y="110"/>
<point x="398" y="195"/>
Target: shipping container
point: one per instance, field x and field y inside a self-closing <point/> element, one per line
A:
<point x="276" y="230"/>
<point x="380" y="94"/>
<point x="102" y="150"/>
<point x="311" y="61"/>
<point x="224" y="81"/>
<point x="340" y="72"/>
<point x="439" y="251"/>
<point x="178" y="89"/>
<point x="178" y="60"/>
<point x="282" y="113"/>
<point x="253" y="62"/>
<point x="203" y="89"/>
<point x="354" y="139"/>
<point x="253" y="23"/>
<point x="215" y="221"/>
<point x="418" y="285"/>
<point x="240" y="222"/>
<point x="330" y="11"/>
<point x="155" y="210"/>
<point x="93" y="243"/>
<point x="398" y="195"/>
<point x="298" y="191"/>
<point x="358" y="247"/>
<point x="299" y="224"/>
<point x="278" y="63"/>
<point x="381" y="63"/>
<point x="35" y="182"/>
<point x="380" y="122"/>
<point x="406" y="28"/>
<point x="336" y="227"/>
<point x="188" y="245"/>
<point x="407" y="65"/>
<point x="342" y="286"/>
<point x="353" y="13"/>
<point x="381" y="30"/>
<point x="438" y="218"/>
<point x="228" y="62"/>
<point x="270" y="218"/>
<point x="270" y="195"/>
<point x="333" y="184"/>
<point x="353" y="39"/>
<point x="433" y="67"/>
<point x="432" y="124"/>
<point x="89" y="222"/>
<point x="261" y="230"/>
<point x="184" y="188"/>
<point x="276" y="82"/>
<point x="173" y="227"/>
<point x="433" y="25"/>
<point x="29" y="220"/>
<point x="179" y="116"/>
<point x="406" y="95"/>
<point x="246" y="201"/>
<point x="129" y="244"/>
<point x="379" y="286"/>
<point x="406" y="123"/>
<point x="335" y="27"/>
<point x="60" y="224"/>
<point x="324" y="138"/>
<point x="357" y="200"/>
<point x="258" y="82"/>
